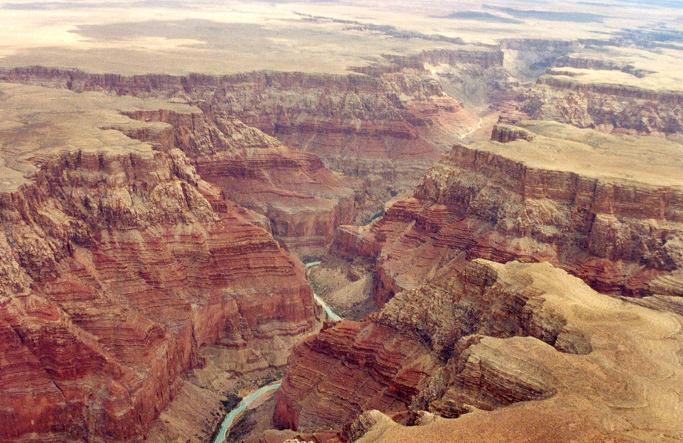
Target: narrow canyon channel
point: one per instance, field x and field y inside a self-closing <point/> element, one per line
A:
<point x="270" y="388"/>
<point x="241" y="407"/>
<point x="333" y="316"/>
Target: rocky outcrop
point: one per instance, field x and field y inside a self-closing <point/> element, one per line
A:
<point x="617" y="236"/>
<point x="303" y="201"/>
<point x="605" y="106"/>
<point x="119" y="267"/>
<point x="485" y="336"/>
<point x="503" y="133"/>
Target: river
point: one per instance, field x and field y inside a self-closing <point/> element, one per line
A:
<point x="266" y="389"/>
<point x="241" y="407"/>
<point x="328" y="311"/>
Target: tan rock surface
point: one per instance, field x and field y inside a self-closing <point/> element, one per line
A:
<point x="533" y="354"/>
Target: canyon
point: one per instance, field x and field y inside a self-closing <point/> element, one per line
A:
<point x="434" y="359"/>
<point x="383" y="130"/>
<point x="486" y="350"/>
<point x="411" y="223"/>
<point x="122" y="261"/>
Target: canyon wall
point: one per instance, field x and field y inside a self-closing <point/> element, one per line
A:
<point x="618" y="236"/>
<point x="303" y="201"/>
<point x="119" y="266"/>
<point x="605" y="106"/>
<point x="482" y="350"/>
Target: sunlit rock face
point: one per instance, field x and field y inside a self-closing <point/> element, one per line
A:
<point x="489" y="347"/>
<point x="120" y="263"/>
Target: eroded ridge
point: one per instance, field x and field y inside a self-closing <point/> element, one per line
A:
<point x="121" y="267"/>
<point x="496" y="350"/>
<point x="597" y="213"/>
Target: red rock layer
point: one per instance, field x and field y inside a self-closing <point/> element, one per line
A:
<point x="347" y="369"/>
<point x="116" y="270"/>
<point x="386" y="128"/>
<point x="477" y="338"/>
<point x="617" y="236"/>
<point x="303" y="201"/>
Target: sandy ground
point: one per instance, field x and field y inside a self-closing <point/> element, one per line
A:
<point x="651" y="160"/>
<point x="237" y="36"/>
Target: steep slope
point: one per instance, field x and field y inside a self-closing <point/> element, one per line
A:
<point x="120" y="266"/>
<point x="303" y="201"/>
<point x="606" y="208"/>
<point x="385" y="126"/>
<point x="493" y="351"/>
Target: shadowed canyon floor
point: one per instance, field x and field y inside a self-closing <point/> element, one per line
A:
<point x="492" y="194"/>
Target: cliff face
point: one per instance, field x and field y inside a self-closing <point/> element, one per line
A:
<point x="354" y="367"/>
<point x="386" y="128"/>
<point x="483" y="336"/>
<point x="119" y="266"/>
<point x="617" y="236"/>
<point x="605" y="106"/>
<point x="503" y="133"/>
<point x="303" y="201"/>
<point x="594" y="63"/>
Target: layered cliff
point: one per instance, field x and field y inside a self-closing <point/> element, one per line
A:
<point x="120" y="265"/>
<point x="608" y="106"/>
<point x="485" y="350"/>
<point x="303" y="201"/>
<point x="385" y="127"/>
<point x="517" y="201"/>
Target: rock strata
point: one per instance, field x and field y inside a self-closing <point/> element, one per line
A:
<point x="493" y="346"/>
<point x="120" y="266"/>
<point x="385" y="127"/>
<point x="618" y="236"/>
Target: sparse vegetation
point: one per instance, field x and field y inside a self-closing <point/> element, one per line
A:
<point x="231" y="401"/>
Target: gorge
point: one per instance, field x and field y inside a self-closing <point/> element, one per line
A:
<point x="366" y="222"/>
